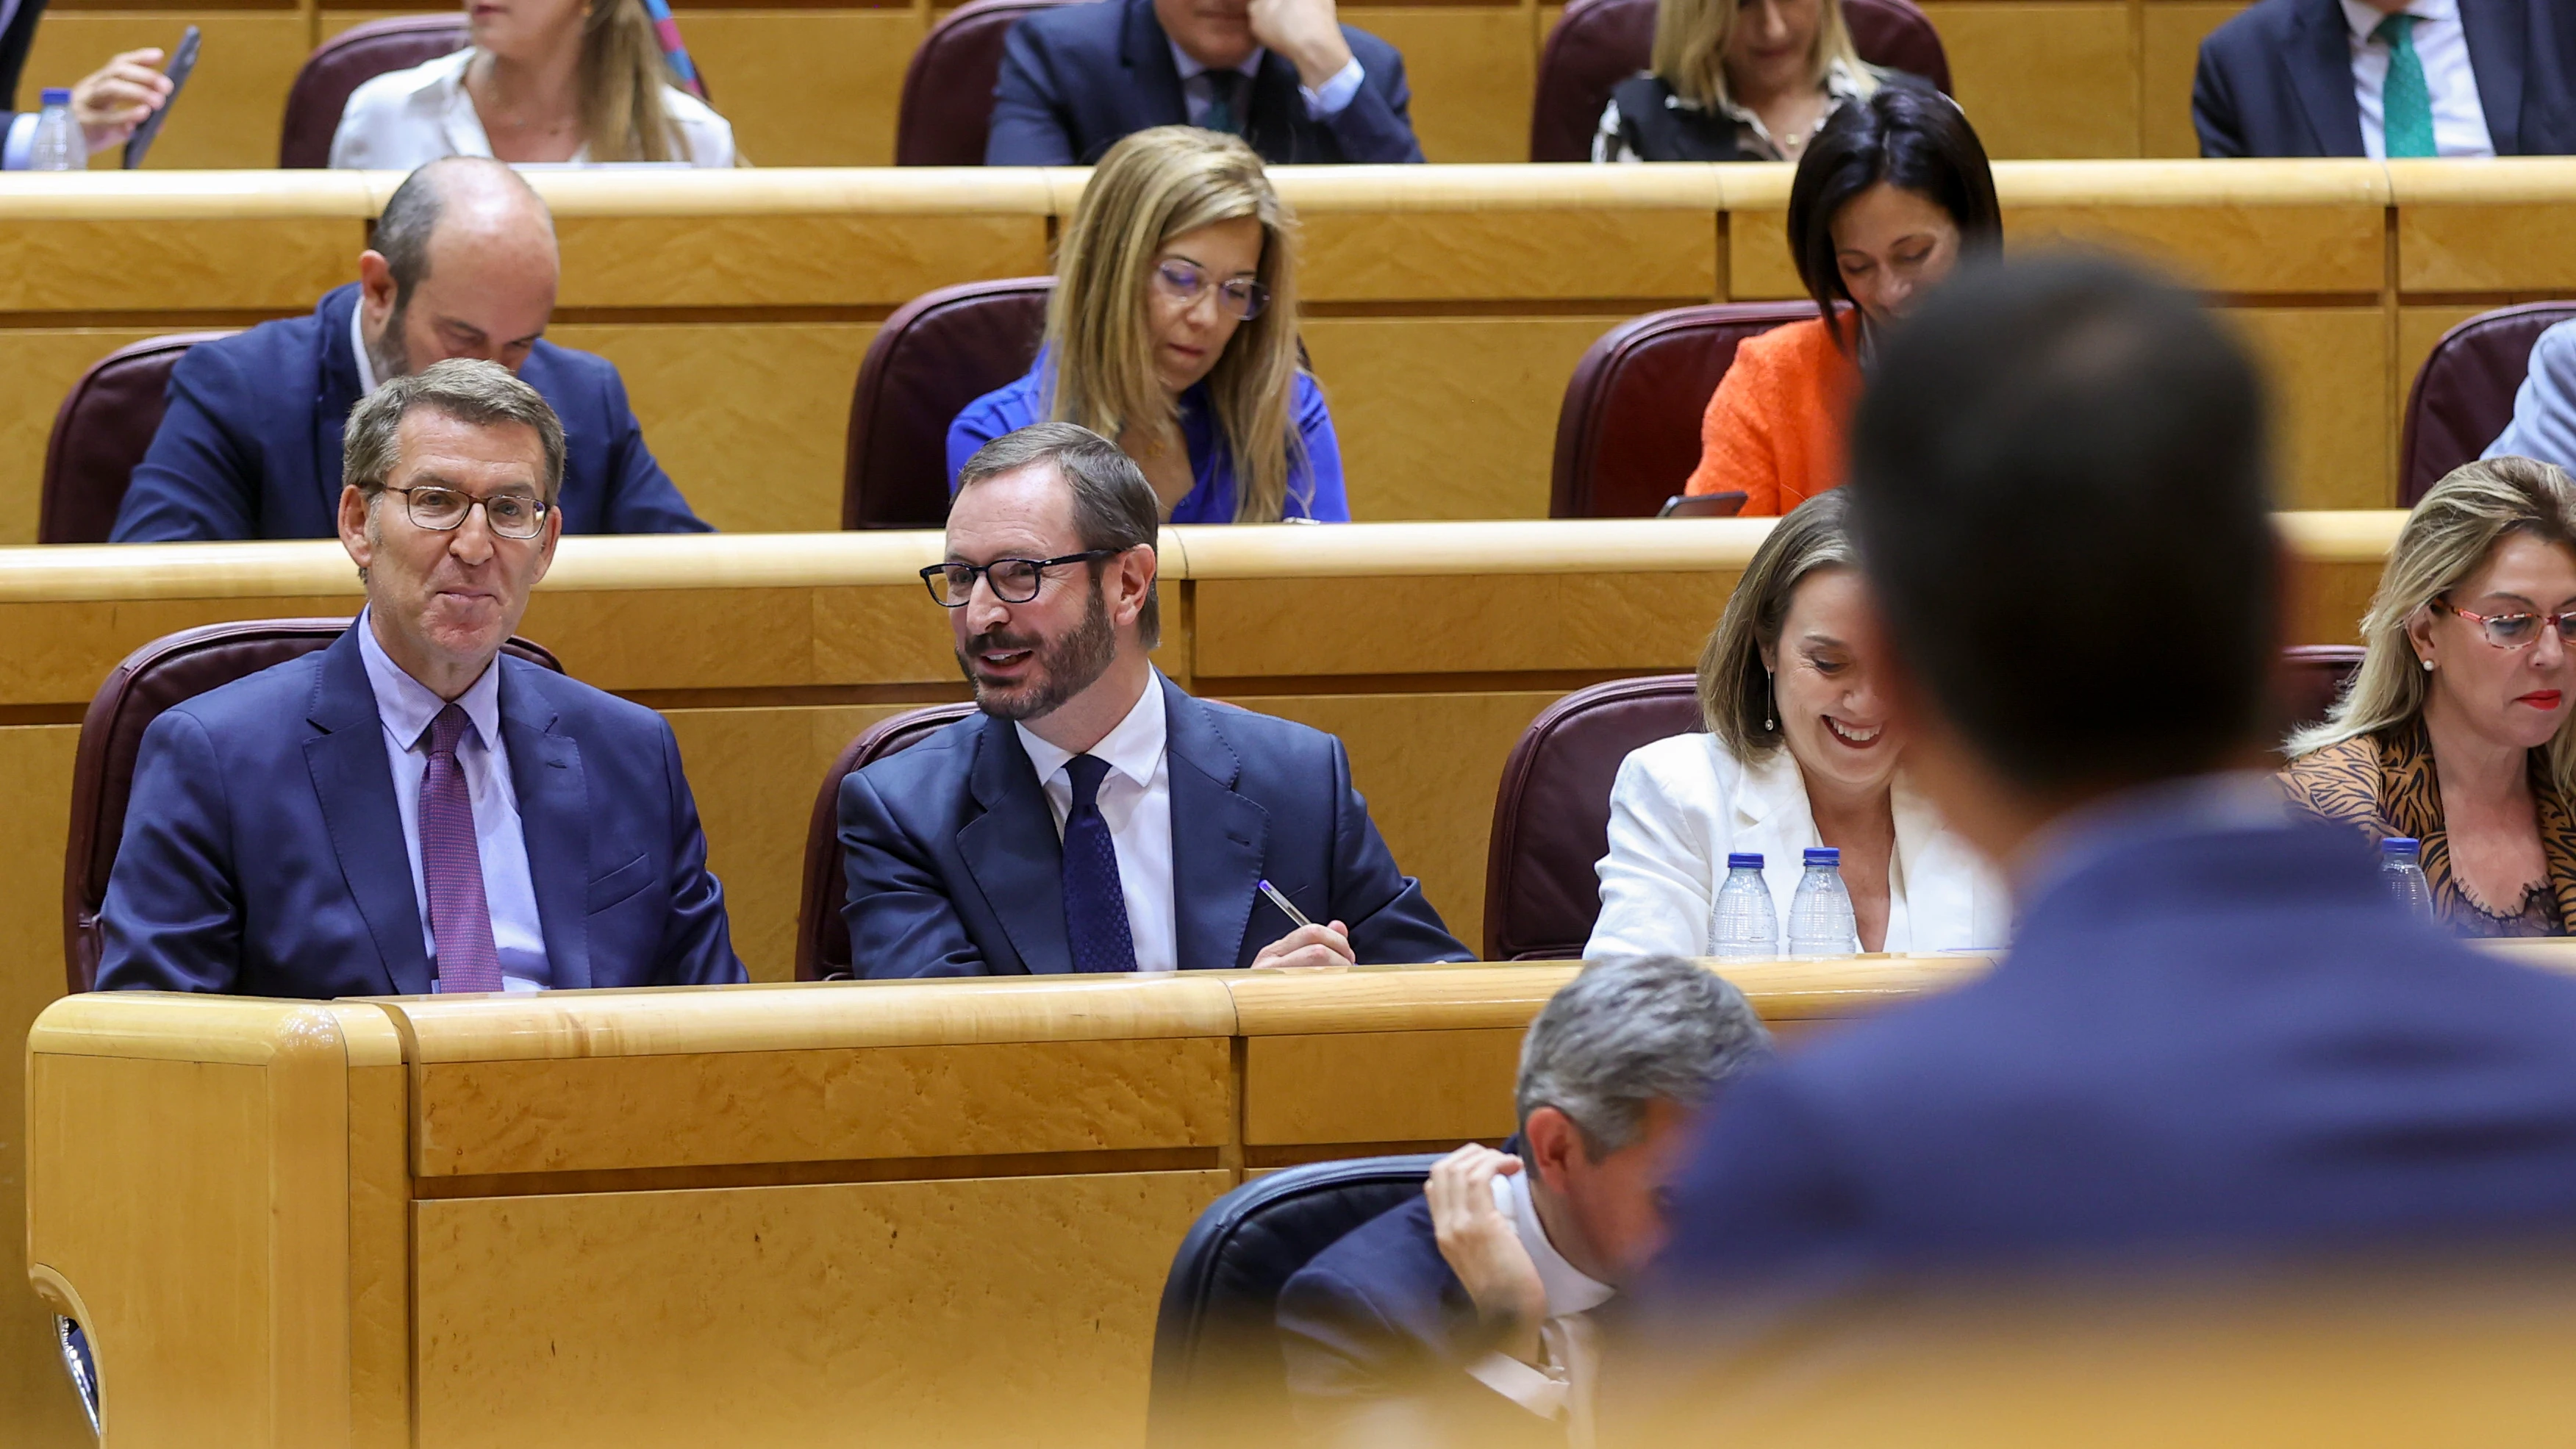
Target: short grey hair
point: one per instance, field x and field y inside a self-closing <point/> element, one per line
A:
<point x="1113" y="506"/>
<point x="1632" y="1031"/>
<point x="483" y="394"/>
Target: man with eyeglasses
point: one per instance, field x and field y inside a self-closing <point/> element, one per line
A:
<point x="410" y="810"/>
<point x="462" y="263"/>
<point x="1092" y="817"/>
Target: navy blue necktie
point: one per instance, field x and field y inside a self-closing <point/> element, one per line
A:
<point x="1095" y="907"/>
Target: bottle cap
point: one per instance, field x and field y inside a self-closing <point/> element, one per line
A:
<point x="2401" y="845"/>
<point x="1744" y="859"/>
<point x="1825" y="855"/>
<point x="56" y="96"/>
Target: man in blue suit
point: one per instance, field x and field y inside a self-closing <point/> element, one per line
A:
<point x="410" y="810"/>
<point x="464" y="265"/>
<point x="2215" y="1032"/>
<point x="2389" y="78"/>
<point x="1468" y="1315"/>
<point x="1297" y="85"/>
<point x="1091" y="816"/>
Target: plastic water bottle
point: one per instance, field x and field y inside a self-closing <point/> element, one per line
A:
<point x="57" y="145"/>
<point x="1820" y="915"/>
<point x="1744" y="925"/>
<point x="2401" y="869"/>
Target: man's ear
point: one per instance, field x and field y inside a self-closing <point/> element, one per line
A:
<point x="1550" y="1143"/>
<point x="353" y="526"/>
<point x="376" y="282"/>
<point x="1137" y="570"/>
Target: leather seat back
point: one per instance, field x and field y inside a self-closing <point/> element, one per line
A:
<point x="1628" y="433"/>
<point x="348" y="60"/>
<point x="822" y="936"/>
<point x="935" y="355"/>
<point x="101" y="433"/>
<point x="2463" y="394"/>
<point x="947" y="107"/>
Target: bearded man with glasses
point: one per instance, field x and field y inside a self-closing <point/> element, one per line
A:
<point x="411" y="810"/>
<point x="1092" y="817"/>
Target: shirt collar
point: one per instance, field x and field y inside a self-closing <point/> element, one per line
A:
<point x="407" y="706"/>
<point x="1569" y="1289"/>
<point x="1133" y="747"/>
<point x="2365" y="19"/>
<point x="1190" y="69"/>
<point x="358" y="346"/>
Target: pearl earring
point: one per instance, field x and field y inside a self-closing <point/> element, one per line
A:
<point x="2428" y="666"/>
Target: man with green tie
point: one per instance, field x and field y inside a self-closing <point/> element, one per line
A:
<point x="2389" y="79"/>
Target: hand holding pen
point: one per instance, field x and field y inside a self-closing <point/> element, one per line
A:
<point x="1307" y="946"/>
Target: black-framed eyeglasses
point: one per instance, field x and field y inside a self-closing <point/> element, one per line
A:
<point x="1014" y="580"/>
<point x="1184" y="281"/>
<point x="2516" y="631"/>
<point x="510" y="515"/>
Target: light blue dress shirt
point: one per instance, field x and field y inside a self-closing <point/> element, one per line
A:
<point x="2544" y="410"/>
<point x="1326" y="100"/>
<point x="406" y="707"/>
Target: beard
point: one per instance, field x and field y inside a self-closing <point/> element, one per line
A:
<point x="1064" y="668"/>
<point x="385" y="351"/>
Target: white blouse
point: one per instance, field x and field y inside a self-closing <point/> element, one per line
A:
<point x="1681" y="805"/>
<point x="409" y="118"/>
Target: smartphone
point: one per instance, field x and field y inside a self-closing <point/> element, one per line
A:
<point x="1705" y="505"/>
<point x="182" y="62"/>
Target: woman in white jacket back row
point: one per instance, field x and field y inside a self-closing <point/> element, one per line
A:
<point x="1799" y="751"/>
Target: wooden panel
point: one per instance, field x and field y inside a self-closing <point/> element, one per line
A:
<point x="2502" y="226"/>
<point x="2173" y="32"/>
<point x="1413" y="234"/>
<point x="749" y="421"/>
<point x="1457" y="1086"/>
<point x="2336" y="428"/>
<point x="2249" y="248"/>
<point x="2044" y="79"/>
<point x="1472" y="70"/>
<point x="44" y="362"/>
<point x="235" y="98"/>
<point x="805" y="87"/>
<point x="1449" y="417"/>
<point x="787" y="260"/>
<point x="794" y="1315"/>
<point x="611" y="1113"/>
<point x="1457" y="625"/>
<point x="262" y="263"/>
<point x="1429" y="765"/>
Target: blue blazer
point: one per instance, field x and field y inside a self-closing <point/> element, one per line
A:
<point x="2226" y="1039"/>
<point x="1076" y="78"/>
<point x="1381" y="1315"/>
<point x="263" y="851"/>
<point x="2276" y="80"/>
<point x="955" y="868"/>
<point x="250" y="447"/>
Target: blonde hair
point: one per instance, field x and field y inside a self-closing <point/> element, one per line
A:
<point x="1154" y="186"/>
<point x="1690" y="49"/>
<point x="2450" y="536"/>
<point x="1734" y="685"/>
<point x="622" y="75"/>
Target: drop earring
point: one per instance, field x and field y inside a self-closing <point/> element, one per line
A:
<point x="1771" y="698"/>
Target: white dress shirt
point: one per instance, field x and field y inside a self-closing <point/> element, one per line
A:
<point x="406" y="707"/>
<point x="1325" y="100"/>
<point x="1682" y="804"/>
<point x="2442" y="44"/>
<point x="1564" y="1387"/>
<point x="408" y="118"/>
<point x="358" y="348"/>
<point x="1136" y="803"/>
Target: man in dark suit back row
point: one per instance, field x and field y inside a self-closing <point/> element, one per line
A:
<point x="2389" y="79"/>
<point x="1297" y="85"/>
<point x="463" y="265"/>
<point x="1091" y="816"/>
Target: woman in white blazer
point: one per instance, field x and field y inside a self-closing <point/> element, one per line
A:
<point x="1799" y="752"/>
<point x="560" y="81"/>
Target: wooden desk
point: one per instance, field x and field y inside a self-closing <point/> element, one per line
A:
<point x="1445" y="307"/>
<point x="763" y="1214"/>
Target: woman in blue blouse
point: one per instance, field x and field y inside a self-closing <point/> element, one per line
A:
<point x="1173" y="330"/>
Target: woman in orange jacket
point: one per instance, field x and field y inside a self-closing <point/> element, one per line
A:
<point x="1892" y="193"/>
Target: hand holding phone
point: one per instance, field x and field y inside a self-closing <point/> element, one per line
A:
<point x="148" y="97"/>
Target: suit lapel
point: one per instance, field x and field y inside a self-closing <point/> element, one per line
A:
<point x="1218" y="838"/>
<point x="2320" y="65"/>
<point x="1271" y="115"/>
<point x="1012" y="851"/>
<point x="554" y="820"/>
<point x="339" y="394"/>
<point x="2497" y="41"/>
<point x="356" y="788"/>
<point x="1147" y="52"/>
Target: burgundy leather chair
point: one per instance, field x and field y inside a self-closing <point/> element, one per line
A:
<point x="1627" y="436"/>
<point x="1599" y="43"/>
<point x="101" y="433"/>
<point x="343" y="63"/>
<point x="947" y="106"/>
<point x="822" y="937"/>
<point x="162" y="673"/>
<point x="935" y="355"/>
<point x="2311" y="677"/>
<point x="2463" y="395"/>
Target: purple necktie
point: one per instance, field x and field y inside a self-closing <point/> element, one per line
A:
<point x="451" y="866"/>
<point x="1095" y="905"/>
